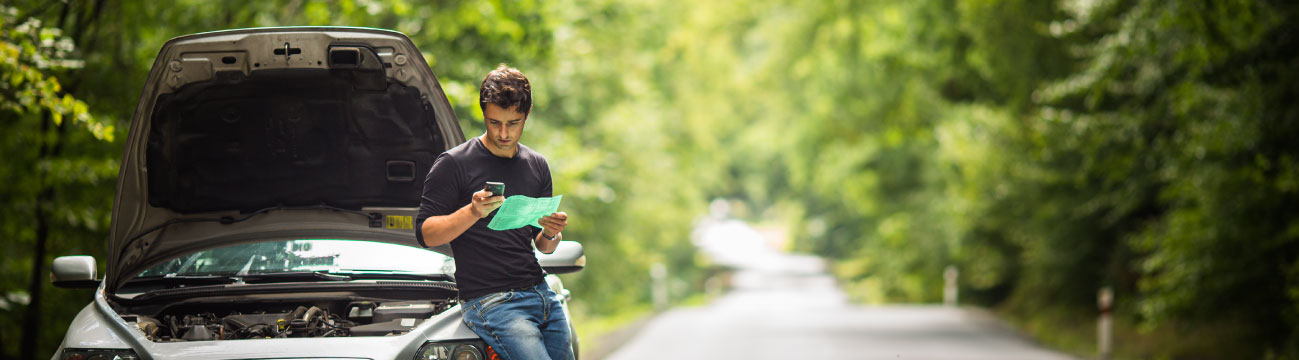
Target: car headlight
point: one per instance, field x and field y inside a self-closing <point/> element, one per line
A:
<point x="98" y="354"/>
<point x="455" y="350"/>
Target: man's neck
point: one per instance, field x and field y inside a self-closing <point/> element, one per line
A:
<point x="508" y="154"/>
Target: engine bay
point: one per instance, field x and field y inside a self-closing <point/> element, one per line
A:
<point x="202" y="322"/>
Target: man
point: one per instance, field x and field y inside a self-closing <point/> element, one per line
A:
<point x="505" y="299"/>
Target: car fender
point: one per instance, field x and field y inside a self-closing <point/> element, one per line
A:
<point x="92" y="328"/>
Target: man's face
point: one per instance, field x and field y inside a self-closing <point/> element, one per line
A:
<point x="504" y="128"/>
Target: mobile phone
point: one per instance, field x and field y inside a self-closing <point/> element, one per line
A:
<point x="496" y="188"/>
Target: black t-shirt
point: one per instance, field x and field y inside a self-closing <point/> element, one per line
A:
<point x="487" y="260"/>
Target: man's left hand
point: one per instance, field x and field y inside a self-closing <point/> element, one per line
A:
<point x="552" y="224"/>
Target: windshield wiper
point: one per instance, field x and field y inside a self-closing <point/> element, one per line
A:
<point x="283" y="276"/>
<point x="291" y="276"/>
<point x="358" y="275"/>
<point x="173" y="280"/>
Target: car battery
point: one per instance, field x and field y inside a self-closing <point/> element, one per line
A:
<point x="389" y="311"/>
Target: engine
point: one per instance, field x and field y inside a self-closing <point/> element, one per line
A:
<point x="356" y="318"/>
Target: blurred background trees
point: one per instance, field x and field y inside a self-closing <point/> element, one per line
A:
<point x="1046" y="148"/>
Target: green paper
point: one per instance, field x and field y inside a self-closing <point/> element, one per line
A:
<point x="519" y="211"/>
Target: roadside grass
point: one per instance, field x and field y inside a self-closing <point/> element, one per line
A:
<point x="601" y="335"/>
<point x="696" y="300"/>
<point x="1075" y="333"/>
<point x="594" y="330"/>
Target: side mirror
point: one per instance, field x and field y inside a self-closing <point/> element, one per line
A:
<point x="567" y="258"/>
<point x="74" y="272"/>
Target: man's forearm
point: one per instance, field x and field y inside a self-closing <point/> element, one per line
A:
<point x="440" y="230"/>
<point x="547" y="246"/>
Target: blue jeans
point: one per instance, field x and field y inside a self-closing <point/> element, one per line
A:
<point x="521" y="324"/>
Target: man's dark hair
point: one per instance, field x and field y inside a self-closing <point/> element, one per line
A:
<point x="506" y="87"/>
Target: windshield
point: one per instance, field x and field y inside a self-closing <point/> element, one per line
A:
<point x="304" y="255"/>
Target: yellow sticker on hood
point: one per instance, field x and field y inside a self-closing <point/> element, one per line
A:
<point x="400" y="222"/>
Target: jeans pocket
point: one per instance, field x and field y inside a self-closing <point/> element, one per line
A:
<point x="491" y="300"/>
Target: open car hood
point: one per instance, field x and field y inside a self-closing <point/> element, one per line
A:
<point x="277" y="133"/>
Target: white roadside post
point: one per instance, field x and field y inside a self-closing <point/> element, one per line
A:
<point x="1104" y="300"/>
<point x="949" y="288"/>
<point x="659" y="286"/>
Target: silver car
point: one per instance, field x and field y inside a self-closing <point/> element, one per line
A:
<point x="265" y="207"/>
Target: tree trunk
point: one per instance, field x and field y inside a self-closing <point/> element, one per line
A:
<point x="45" y="198"/>
<point x="32" y="318"/>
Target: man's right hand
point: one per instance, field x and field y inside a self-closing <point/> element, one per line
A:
<point x="442" y="229"/>
<point x="483" y="204"/>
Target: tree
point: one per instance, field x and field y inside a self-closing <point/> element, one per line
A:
<point x="45" y="163"/>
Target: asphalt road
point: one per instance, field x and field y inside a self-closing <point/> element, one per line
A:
<point x="788" y="308"/>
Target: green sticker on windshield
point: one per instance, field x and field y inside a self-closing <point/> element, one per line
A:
<point x="400" y="222"/>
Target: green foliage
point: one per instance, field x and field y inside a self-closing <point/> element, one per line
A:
<point x="30" y="57"/>
<point x="627" y="182"/>
<point x="58" y="180"/>
<point x="1046" y="148"/>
